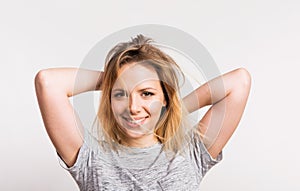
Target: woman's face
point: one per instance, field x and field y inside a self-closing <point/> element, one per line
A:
<point x="137" y="99"/>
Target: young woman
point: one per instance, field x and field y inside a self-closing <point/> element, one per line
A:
<point x="144" y="142"/>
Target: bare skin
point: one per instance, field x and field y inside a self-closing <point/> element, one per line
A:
<point x="137" y="97"/>
<point x="55" y="86"/>
<point x="228" y="104"/>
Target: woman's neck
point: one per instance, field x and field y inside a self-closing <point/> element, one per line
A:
<point x="141" y="142"/>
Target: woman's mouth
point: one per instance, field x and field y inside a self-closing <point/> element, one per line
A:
<point x="135" y="122"/>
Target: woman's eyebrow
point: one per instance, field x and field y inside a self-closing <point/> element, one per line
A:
<point x="118" y="89"/>
<point x="139" y="90"/>
<point x="148" y="88"/>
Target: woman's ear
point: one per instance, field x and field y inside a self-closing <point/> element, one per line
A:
<point x="164" y="103"/>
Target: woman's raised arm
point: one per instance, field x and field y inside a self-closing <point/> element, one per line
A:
<point x="53" y="88"/>
<point x="228" y="95"/>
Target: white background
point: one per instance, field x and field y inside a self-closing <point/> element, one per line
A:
<point x="262" y="36"/>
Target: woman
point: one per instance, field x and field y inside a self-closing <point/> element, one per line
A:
<point x="143" y="141"/>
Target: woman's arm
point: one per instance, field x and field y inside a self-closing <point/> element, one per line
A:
<point x="53" y="88"/>
<point x="228" y="95"/>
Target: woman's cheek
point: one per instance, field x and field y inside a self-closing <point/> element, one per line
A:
<point x="155" y="107"/>
<point x="116" y="107"/>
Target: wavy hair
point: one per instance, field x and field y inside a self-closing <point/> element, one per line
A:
<point x="169" y="129"/>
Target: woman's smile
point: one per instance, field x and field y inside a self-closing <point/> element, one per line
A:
<point x="135" y="122"/>
<point x="137" y="99"/>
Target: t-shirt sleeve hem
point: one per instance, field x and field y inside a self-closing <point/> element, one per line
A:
<point x="207" y="160"/>
<point x="78" y="161"/>
<point x="210" y="158"/>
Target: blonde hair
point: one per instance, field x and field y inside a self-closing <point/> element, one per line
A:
<point x="169" y="129"/>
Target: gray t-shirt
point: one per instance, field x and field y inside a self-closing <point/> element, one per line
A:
<point x="101" y="168"/>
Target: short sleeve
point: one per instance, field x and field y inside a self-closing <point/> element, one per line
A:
<point x="203" y="160"/>
<point x="81" y="157"/>
<point x="89" y="145"/>
<point x="80" y="168"/>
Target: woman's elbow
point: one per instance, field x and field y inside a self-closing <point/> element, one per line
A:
<point x="41" y="80"/>
<point x="244" y="78"/>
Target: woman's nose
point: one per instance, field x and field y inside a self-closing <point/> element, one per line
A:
<point x="134" y="104"/>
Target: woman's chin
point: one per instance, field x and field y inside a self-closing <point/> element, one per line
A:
<point x="134" y="130"/>
<point x="134" y="133"/>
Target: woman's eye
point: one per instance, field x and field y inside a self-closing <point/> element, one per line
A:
<point x="119" y="94"/>
<point x="147" y="94"/>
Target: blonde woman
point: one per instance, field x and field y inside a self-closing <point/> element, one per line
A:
<point x="143" y="141"/>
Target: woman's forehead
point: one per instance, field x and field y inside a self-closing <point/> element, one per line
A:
<point x="134" y="74"/>
<point x="137" y="68"/>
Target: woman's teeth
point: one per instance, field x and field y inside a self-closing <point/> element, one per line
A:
<point x="135" y="121"/>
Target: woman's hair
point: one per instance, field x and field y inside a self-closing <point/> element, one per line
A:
<point x="169" y="129"/>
